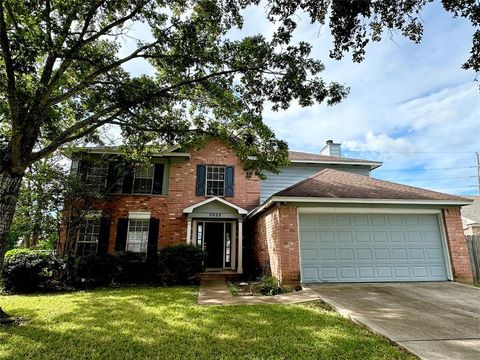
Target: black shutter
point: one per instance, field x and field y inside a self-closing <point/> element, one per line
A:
<point x="229" y="180"/>
<point x="127" y="187"/>
<point x="158" y="179"/>
<point x="112" y="176"/>
<point x="122" y="229"/>
<point x="153" y="232"/>
<point x="201" y="178"/>
<point x="83" y="166"/>
<point x="103" y="236"/>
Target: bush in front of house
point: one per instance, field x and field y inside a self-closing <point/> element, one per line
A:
<point x="31" y="271"/>
<point x="178" y="264"/>
<point x="90" y="271"/>
<point x="268" y="285"/>
<point x="28" y="271"/>
<point x="133" y="268"/>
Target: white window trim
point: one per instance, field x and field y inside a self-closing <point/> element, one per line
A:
<point x="128" y="237"/>
<point x="138" y="177"/>
<point x="206" y="179"/>
<point x="139" y="215"/>
<point x="88" y="218"/>
<point x="89" y="169"/>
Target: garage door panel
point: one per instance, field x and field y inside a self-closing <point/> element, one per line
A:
<point x="379" y="247"/>
<point x="362" y="236"/>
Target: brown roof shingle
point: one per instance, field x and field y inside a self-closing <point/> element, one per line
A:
<point x="330" y="183"/>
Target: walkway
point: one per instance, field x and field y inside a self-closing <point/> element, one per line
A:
<point x="215" y="292"/>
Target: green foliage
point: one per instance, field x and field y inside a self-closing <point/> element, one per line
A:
<point x="40" y="199"/>
<point x="167" y="323"/>
<point x="10" y="254"/>
<point x="27" y="272"/>
<point x="180" y="263"/>
<point x="90" y="271"/>
<point x="268" y="285"/>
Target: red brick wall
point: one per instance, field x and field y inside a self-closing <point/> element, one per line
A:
<point x="276" y="240"/>
<point x="181" y="194"/>
<point x="462" y="270"/>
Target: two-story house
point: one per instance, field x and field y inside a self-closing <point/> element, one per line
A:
<point x="322" y="218"/>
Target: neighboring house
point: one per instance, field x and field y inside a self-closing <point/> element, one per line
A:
<point x="321" y="219"/>
<point x="471" y="217"/>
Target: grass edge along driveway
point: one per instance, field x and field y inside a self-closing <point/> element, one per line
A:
<point x="166" y="323"/>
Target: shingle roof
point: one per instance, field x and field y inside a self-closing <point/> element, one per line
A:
<point x="303" y="156"/>
<point x="330" y="183"/>
<point x="472" y="212"/>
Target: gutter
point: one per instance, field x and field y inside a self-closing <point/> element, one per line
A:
<point x="312" y="200"/>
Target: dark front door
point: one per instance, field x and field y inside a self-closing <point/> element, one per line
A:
<point x="213" y="241"/>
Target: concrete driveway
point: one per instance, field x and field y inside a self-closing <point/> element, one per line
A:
<point x="432" y="320"/>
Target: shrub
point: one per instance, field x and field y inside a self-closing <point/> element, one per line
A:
<point x="133" y="268"/>
<point x="12" y="253"/>
<point x="27" y="272"/>
<point x="90" y="271"/>
<point x="180" y="263"/>
<point x="268" y="285"/>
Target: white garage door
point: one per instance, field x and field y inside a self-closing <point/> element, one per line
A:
<point x="371" y="247"/>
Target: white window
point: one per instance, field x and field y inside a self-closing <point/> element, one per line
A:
<point x="215" y="180"/>
<point x="97" y="176"/>
<point x="87" y="238"/>
<point x="143" y="180"/>
<point x="137" y="239"/>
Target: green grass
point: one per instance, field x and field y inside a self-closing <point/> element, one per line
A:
<point x="166" y="323"/>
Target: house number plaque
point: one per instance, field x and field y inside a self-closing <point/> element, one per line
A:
<point x="215" y="214"/>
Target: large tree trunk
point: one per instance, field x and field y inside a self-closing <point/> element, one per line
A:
<point x="9" y="189"/>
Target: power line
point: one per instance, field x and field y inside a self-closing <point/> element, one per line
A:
<point x="429" y="169"/>
<point x="409" y="152"/>
<point x="452" y="178"/>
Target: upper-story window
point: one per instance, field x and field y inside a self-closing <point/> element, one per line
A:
<point x="215" y="181"/>
<point x="143" y="179"/>
<point x="96" y="176"/>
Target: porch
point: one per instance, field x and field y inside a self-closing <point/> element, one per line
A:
<point x="216" y="226"/>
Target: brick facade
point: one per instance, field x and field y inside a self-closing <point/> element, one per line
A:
<point x="181" y="194"/>
<point x="276" y="241"/>
<point x="459" y="257"/>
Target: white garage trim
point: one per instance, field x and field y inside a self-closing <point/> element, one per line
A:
<point x="334" y="211"/>
<point x="350" y="210"/>
<point x="446" y="249"/>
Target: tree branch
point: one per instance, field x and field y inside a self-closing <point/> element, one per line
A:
<point x="88" y="80"/>
<point x="49" y="149"/>
<point x="69" y="57"/>
<point x="10" y="71"/>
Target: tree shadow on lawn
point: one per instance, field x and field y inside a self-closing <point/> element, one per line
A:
<point x="166" y="323"/>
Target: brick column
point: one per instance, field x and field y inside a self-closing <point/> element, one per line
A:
<point x="462" y="270"/>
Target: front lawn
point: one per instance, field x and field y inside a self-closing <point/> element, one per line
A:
<point x="166" y="323"/>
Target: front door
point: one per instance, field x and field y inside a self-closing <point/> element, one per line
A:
<point x="214" y="244"/>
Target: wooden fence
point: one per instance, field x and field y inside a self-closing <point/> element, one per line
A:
<point x="473" y="244"/>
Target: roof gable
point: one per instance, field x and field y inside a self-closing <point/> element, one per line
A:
<point x="190" y="209"/>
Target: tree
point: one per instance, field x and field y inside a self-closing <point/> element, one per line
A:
<point x="40" y="200"/>
<point x="62" y="73"/>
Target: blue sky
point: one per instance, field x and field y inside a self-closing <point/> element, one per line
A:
<point x="410" y="105"/>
